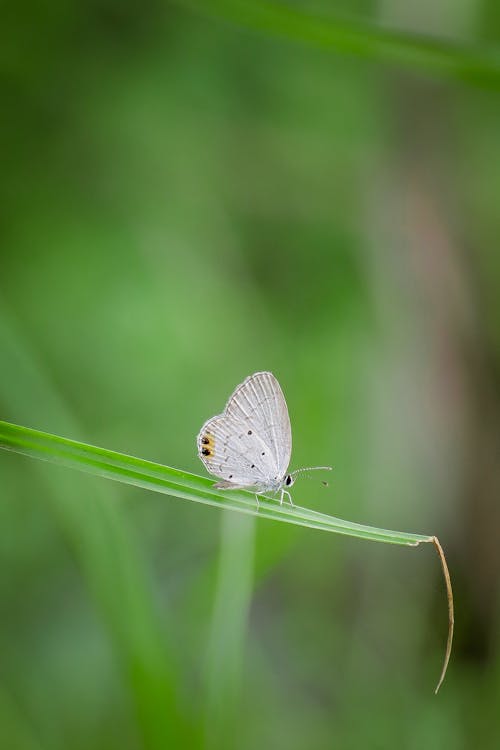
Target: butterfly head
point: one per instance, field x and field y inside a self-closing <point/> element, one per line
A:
<point x="288" y="480"/>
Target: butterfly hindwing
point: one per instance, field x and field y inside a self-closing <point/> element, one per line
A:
<point x="230" y="453"/>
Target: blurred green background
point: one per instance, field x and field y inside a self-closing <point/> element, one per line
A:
<point x="186" y="200"/>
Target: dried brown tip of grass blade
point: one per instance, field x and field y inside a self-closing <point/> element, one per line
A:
<point x="451" y="615"/>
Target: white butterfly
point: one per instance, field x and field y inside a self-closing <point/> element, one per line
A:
<point x="249" y="445"/>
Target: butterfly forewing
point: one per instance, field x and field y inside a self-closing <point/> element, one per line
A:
<point x="250" y="443"/>
<point x="259" y="399"/>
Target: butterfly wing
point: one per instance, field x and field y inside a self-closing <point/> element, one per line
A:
<point x="260" y="400"/>
<point x="250" y="443"/>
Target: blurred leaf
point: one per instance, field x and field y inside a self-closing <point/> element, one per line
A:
<point x="110" y="562"/>
<point x="434" y="55"/>
<point x="15" y="730"/>
<point x="228" y="627"/>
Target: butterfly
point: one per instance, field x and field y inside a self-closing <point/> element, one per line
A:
<point x="249" y="445"/>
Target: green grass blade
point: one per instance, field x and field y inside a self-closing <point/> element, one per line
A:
<point x="431" y="54"/>
<point x="160" y="478"/>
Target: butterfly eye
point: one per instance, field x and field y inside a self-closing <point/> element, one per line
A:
<point x="288" y="480"/>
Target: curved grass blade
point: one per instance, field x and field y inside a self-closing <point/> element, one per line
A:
<point x="182" y="484"/>
<point x="160" y="478"/>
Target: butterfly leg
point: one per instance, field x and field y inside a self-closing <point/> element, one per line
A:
<point x="283" y="493"/>
<point x="257" y="499"/>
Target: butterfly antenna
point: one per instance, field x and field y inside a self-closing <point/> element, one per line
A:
<point x="312" y="468"/>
